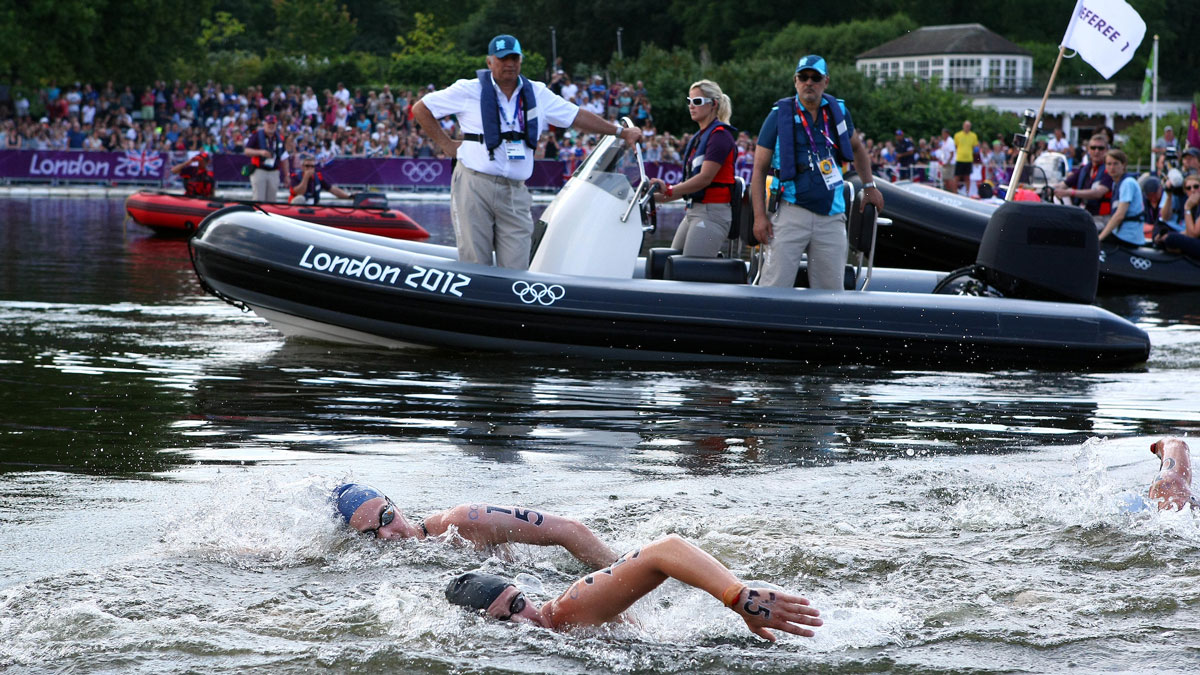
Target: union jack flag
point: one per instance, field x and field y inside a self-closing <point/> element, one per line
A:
<point x="143" y="162"/>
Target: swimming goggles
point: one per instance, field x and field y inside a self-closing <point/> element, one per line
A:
<point x="698" y="100"/>
<point x="515" y="606"/>
<point x="386" y="516"/>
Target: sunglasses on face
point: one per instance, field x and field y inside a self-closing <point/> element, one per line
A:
<point x="1193" y="186"/>
<point x="515" y="606"/>
<point x="812" y="77"/>
<point x="386" y="515"/>
<point x="698" y="100"/>
<point x="1097" y="147"/>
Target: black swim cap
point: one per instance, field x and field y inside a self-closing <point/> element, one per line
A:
<point x="476" y="589"/>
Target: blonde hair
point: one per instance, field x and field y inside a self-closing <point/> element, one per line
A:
<point x="713" y="90"/>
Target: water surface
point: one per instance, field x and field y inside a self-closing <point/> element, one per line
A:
<point x="164" y="460"/>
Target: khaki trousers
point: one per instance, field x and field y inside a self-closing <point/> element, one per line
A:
<point x="264" y="185"/>
<point x="703" y="230"/>
<point x="796" y="231"/>
<point x="491" y="215"/>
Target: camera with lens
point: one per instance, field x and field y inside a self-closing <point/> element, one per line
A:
<point x="1171" y="157"/>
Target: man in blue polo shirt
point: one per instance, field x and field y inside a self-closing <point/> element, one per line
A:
<point x="802" y="144"/>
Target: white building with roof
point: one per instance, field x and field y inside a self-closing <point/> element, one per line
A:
<point x="964" y="57"/>
<point x="996" y="72"/>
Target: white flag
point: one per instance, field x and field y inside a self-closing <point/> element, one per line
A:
<point x="1105" y="33"/>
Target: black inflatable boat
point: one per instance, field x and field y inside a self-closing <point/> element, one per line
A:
<point x="587" y="294"/>
<point x="935" y="229"/>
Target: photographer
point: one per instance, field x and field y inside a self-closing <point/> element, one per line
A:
<point x="1166" y="151"/>
<point x="307" y="184"/>
<point x="1170" y="206"/>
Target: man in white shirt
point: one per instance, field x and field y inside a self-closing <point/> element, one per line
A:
<point x="1059" y="143"/>
<point x="501" y="114"/>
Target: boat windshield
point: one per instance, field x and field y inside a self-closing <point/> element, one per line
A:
<point x="611" y="155"/>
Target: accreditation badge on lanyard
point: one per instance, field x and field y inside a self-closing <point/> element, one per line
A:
<point x="515" y="150"/>
<point x="831" y="173"/>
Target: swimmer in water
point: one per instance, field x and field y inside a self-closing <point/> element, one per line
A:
<point x="602" y="596"/>
<point x="370" y="511"/>
<point x="1172" y="487"/>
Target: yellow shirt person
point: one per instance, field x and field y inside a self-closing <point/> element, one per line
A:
<point x="965" y="142"/>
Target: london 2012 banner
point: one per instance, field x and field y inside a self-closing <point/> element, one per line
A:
<point x="137" y="167"/>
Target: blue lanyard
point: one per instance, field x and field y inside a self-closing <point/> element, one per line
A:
<point x="518" y="118"/>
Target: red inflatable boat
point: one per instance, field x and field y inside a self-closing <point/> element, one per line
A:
<point x="167" y="213"/>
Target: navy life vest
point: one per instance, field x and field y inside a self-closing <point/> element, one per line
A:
<point x="697" y="145"/>
<point x="274" y="146"/>
<point x="313" y="191"/>
<point x="489" y="110"/>
<point x="786" y="132"/>
<point x="1099" y="207"/>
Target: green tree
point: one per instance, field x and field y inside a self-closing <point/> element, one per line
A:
<point x="218" y="32"/>
<point x="840" y="43"/>
<point x="424" y="38"/>
<point x="313" y="28"/>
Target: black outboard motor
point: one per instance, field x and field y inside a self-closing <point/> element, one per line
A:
<point x="1040" y="251"/>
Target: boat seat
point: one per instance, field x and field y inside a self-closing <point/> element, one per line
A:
<point x="656" y="261"/>
<point x="713" y="270"/>
<point x="849" y="279"/>
<point x="742" y="208"/>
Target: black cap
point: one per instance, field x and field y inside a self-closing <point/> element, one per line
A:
<point x="476" y="589"/>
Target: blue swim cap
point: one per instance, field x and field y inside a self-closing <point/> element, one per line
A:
<point x="351" y="496"/>
<point x="476" y="589"/>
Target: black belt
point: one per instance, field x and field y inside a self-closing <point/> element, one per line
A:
<point x="504" y="136"/>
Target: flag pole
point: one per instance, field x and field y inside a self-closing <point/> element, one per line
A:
<point x="1024" y="153"/>
<point x="1154" y="108"/>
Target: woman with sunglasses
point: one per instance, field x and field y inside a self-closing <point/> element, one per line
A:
<point x="602" y="596"/>
<point x="1188" y="241"/>
<point x="708" y="160"/>
<point x="369" y="511"/>
<point x="1125" y="224"/>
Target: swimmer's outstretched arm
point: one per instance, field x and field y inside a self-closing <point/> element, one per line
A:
<point x="488" y="525"/>
<point x="1172" y="487"/>
<point x="602" y="596"/>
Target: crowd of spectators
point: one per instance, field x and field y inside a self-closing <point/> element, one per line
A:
<point x="219" y="118"/>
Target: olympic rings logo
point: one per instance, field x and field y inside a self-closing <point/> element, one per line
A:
<point x="1140" y="263"/>
<point x="422" y="172"/>
<point x="538" y="292"/>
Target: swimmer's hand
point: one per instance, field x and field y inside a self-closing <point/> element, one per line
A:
<point x="763" y="609"/>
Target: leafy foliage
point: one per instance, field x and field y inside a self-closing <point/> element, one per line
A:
<point x="312" y="27"/>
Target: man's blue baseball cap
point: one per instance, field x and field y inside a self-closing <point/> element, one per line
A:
<point x="503" y="45"/>
<point x="812" y="62"/>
